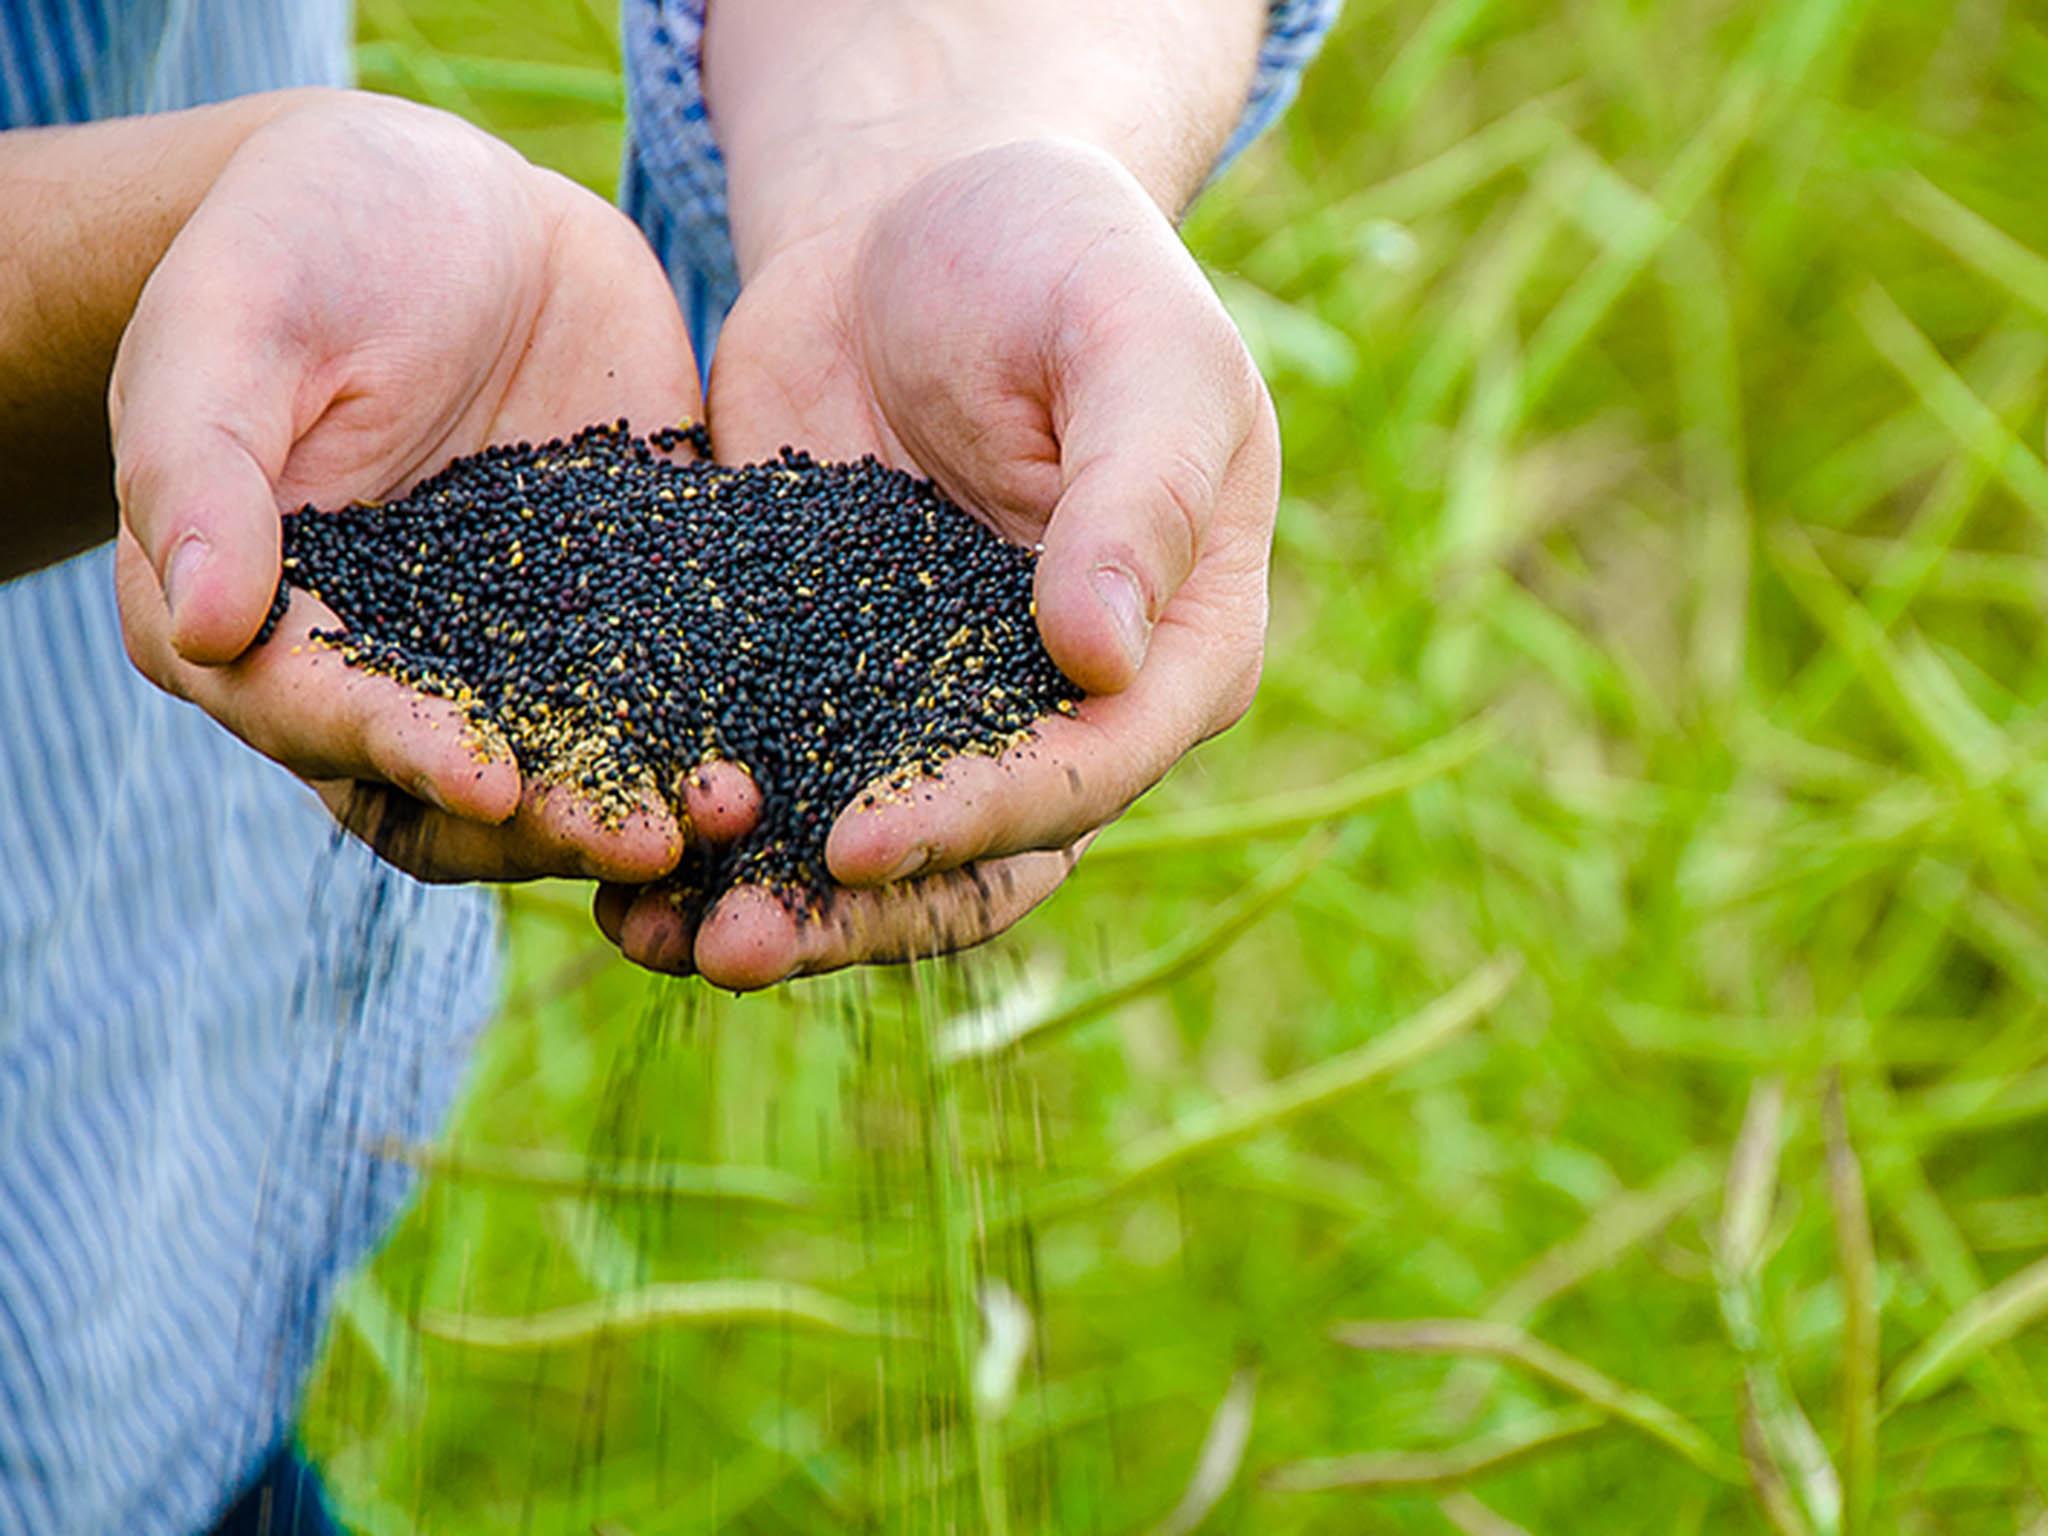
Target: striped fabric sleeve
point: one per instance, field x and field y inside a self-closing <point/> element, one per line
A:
<point x="673" y="159"/>
<point x="1295" y="30"/>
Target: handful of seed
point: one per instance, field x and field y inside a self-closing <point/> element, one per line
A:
<point x="618" y="618"/>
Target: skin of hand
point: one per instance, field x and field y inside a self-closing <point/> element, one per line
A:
<point x="1023" y="324"/>
<point x="367" y="290"/>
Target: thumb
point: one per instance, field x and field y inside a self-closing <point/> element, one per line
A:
<point x="199" y="407"/>
<point x="1151" y="429"/>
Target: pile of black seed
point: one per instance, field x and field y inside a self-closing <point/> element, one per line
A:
<point x="619" y="617"/>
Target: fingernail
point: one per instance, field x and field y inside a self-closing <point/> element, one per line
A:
<point x="910" y="864"/>
<point x="1120" y="594"/>
<point x="187" y="556"/>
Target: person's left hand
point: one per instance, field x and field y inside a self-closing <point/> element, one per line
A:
<point x="1024" y="326"/>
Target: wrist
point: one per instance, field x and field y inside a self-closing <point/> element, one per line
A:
<point x="828" y="193"/>
<point x="830" y="229"/>
<point x="826" y="115"/>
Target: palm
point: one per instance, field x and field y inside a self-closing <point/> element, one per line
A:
<point x="797" y="364"/>
<point x="522" y="307"/>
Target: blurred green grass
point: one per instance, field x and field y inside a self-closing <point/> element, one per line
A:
<point x="1662" y="387"/>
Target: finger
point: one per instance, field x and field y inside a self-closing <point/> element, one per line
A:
<point x="660" y="930"/>
<point x="201" y="405"/>
<point x="608" y="908"/>
<point x="552" y="834"/>
<point x="296" y="701"/>
<point x="1155" y="410"/>
<point x="721" y="801"/>
<point x="751" y="938"/>
<point x="656" y="927"/>
<point x="559" y="832"/>
<point x="1075" y="772"/>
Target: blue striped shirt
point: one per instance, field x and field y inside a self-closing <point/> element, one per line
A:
<point x="212" y="1007"/>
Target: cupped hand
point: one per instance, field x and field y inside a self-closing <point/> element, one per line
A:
<point x="1024" y="326"/>
<point x="368" y="290"/>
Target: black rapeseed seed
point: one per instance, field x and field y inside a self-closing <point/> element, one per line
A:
<point x="619" y="618"/>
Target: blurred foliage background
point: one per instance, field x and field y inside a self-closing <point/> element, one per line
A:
<point x="1572" y="1060"/>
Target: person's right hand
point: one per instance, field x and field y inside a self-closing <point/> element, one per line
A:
<point x="1023" y="325"/>
<point x="368" y="290"/>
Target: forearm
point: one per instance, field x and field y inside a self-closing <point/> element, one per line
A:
<point x="825" y="107"/>
<point x="91" y="209"/>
